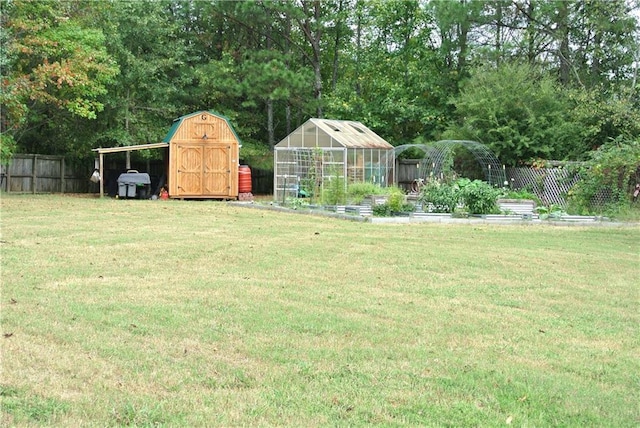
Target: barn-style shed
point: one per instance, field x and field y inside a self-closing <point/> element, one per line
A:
<point x="323" y="149"/>
<point x="203" y="157"/>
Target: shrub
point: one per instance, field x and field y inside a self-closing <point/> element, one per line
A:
<point x="356" y="192"/>
<point x="479" y="197"/>
<point x="296" y="203"/>
<point x="395" y="203"/>
<point x="520" y="194"/>
<point x="439" y="197"/>
<point x="7" y="148"/>
<point x="334" y="192"/>
<point x="381" y="210"/>
<point x="550" y="212"/>
<point x="615" y="166"/>
<point x="396" y="199"/>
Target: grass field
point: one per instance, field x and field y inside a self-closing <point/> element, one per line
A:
<point x="170" y="313"/>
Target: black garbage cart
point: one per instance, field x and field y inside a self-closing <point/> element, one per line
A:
<point x="134" y="184"/>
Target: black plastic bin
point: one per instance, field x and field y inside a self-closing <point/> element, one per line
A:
<point x="134" y="185"/>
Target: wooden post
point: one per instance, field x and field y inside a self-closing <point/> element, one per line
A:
<point x="101" y="175"/>
<point x="62" y="184"/>
<point x="8" y="178"/>
<point x="34" y="176"/>
<point x="128" y="165"/>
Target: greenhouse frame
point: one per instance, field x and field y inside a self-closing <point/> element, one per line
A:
<point x="322" y="150"/>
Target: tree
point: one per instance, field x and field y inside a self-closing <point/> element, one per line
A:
<point x="516" y="110"/>
<point x="311" y="24"/>
<point x="393" y="76"/>
<point x="144" y="38"/>
<point x="257" y="72"/>
<point x="56" y="68"/>
<point x="604" y="33"/>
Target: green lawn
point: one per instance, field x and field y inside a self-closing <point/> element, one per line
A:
<point x="141" y="313"/>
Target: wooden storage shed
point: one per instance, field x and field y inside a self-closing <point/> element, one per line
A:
<point x="203" y="157"/>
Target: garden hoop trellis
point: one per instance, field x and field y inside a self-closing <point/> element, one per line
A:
<point x="439" y="154"/>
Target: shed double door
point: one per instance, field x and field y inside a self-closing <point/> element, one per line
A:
<point x="205" y="170"/>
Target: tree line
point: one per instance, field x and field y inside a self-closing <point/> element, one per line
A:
<point x="550" y="79"/>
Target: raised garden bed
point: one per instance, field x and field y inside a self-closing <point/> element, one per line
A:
<point x="517" y="206"/>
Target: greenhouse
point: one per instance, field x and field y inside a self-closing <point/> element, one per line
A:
<point x="322" y="150"/>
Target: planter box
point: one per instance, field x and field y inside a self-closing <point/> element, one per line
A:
<point x="340" y="209"/>
<point x="362" y="210"/>
<point x="430" y="215"/>
<point x="375" y="200"/>
<point x="517" y="206"/>
<point x="502" y="217"/>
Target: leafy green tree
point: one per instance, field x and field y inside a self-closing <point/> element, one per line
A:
<point x="600" y="117"/>
<point x="516" y="110"/>
<point x="456" y="23"/>
<point x="56" y="72"/>
<point x="256" y="78"/>
<point x="392" y="79"/>
<point x="144" y="38"/>
<point x="606" y="39"/>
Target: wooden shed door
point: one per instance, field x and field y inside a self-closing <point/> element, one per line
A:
<point x="217" y="170"/>
<point x="189" y="170"/>
<point x="205" y="170"/>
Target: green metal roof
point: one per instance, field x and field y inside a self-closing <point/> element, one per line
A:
<point x="177" y="122"/>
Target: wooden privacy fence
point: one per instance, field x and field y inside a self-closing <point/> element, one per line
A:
<point x="262" y="181"/>
<point x="407" y="171"/>
<point x="43" y="174"/>
<point x="29" y="173"/>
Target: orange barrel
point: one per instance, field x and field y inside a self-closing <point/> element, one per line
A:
<point x="244" y="179"/>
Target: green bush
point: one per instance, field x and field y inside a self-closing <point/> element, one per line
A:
<point x="256" y="154"/>
<point x="7" y="148"/>
<point x="356" y="192"/>
<point x="408" y="207"/>
<point x="395" y="203"/>
<point x="296" y="203"/>
<point x="439" y="197"/>
<point x="396" y="198"/>
<point x="334" y="192"/>
<point x="479" y="197"/>
<point x="520" y="194"/>
<point x="550" y="212"/>
<point x="381" y="210"/>
<point x="615" y="166"/>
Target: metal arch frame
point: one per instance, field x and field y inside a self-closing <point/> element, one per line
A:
<point x="437" y="153"/>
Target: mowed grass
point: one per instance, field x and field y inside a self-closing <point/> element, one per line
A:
<point x="200" y="313"/>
